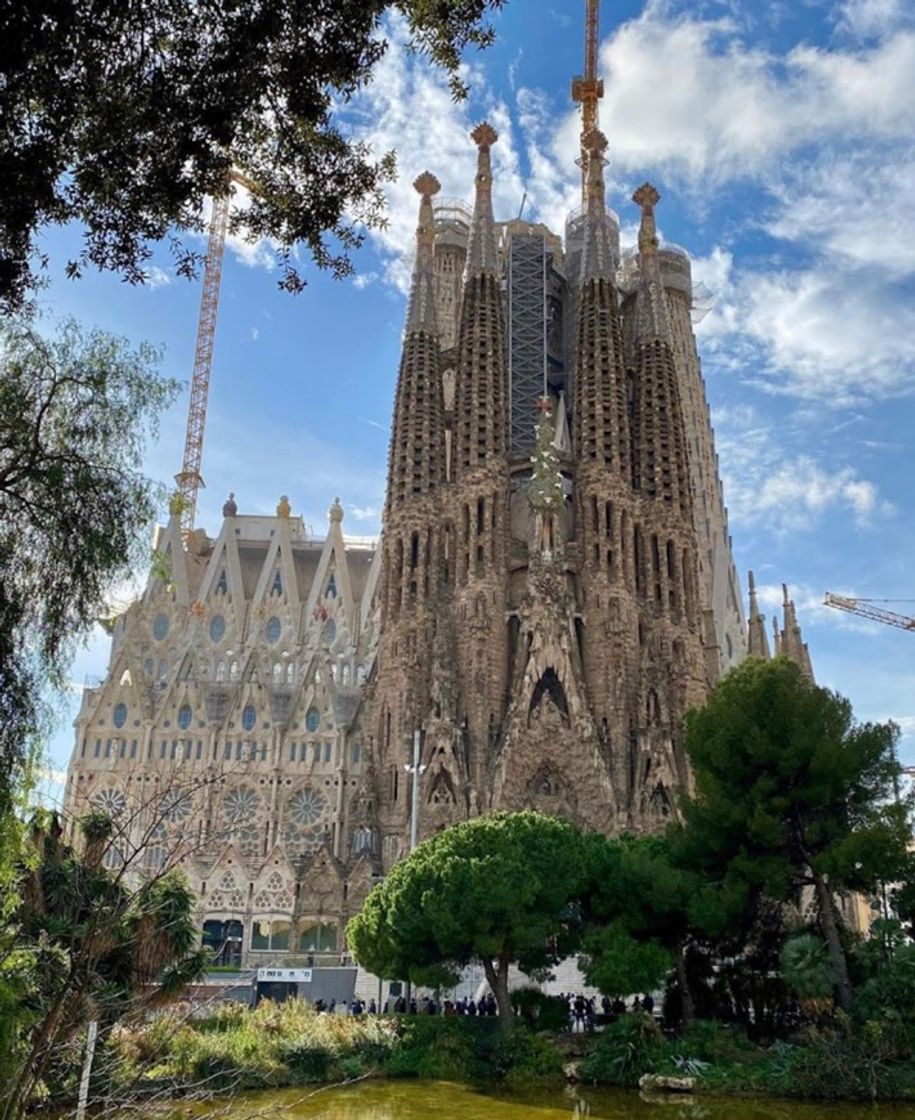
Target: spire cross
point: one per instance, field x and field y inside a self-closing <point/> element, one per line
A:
<point x="484" y="136"/>
<point x="426" y="186"/>
<point x="647" y="197"/>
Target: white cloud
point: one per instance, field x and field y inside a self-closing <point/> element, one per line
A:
<point x="691" y="96"/>
<point x="157" y="277"/>
<point x="765" y="485"/>
<point x="874" y="17"/>
<point x="365" y="513"/>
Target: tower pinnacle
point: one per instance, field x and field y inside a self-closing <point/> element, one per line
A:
<point x="653" y="319"/>
<point x="421" y="308"/>
<point x="481" y="251"/>
<point x="757" y="639"/>
<point x="597" y="251"/>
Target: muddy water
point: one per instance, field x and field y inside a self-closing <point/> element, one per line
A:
<point x="439" y="1100"/>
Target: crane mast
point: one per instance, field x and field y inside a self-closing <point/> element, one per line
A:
<point x="189" y="480"/>
<point x="865" y="609"/>
<point x="588" y="89"/>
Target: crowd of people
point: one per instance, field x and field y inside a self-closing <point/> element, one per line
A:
<point x="583" y="1013"/>
<point x="583" y="1010"/>
<point x="400" y="1006"/>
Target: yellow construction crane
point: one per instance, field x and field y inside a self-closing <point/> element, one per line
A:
<point x="588" y="88"/>
<point x="866" y="609"/>
<point x="189" y="479"/>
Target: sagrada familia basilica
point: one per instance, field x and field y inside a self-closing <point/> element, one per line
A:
<point x="553" y="590"/>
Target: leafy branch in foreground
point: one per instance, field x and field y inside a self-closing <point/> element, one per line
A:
<point x="76" y="411"/>
<point x="124" y="117"/>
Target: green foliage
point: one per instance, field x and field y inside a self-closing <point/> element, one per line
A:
<point x="805" y="966"/>
<point x="636" y="913"/>
<point x="786" y="780"/>
<point x="75" y="414"/>
<point x="618" y="962"/>
<point x="292" y="1044"/>
<point x="626" y="1049"/>
<point x="129" y="132"/>
<point x="497" y="889"/>
<point x="80" y="945"/>
<point x="790" y="791"/>
<point x="540" y="1011"/>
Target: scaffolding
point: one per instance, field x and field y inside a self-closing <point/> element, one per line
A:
<point x="528" y="286"/>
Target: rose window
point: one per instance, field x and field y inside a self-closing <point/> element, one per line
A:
<point x="306" y="807"/>
<point x="241" y="805"/>
<point x="175" y="806"/>
<point x="110" y="801"/>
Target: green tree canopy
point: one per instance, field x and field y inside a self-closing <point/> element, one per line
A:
<point x="75" y="413"/>
<point x="791" y="792"/>
<point x="638" y="923"/>
<point x="499" y="890"/>
<point x="125" y="116"/>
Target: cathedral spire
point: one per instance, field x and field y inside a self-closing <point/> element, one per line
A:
<point x="652" y="315"/>
<point x="421" y="308"/>
<point x="757" y="639"/>
<point x="600" y="412"/>
<point x="481" y="250"/>
<point x="481" y="382"/>
<point x="416" y="463"/>
<point x="792" y="644"/>
<point x="597" y="257"/>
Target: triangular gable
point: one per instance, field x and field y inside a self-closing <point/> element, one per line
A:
<point x="332" y="561"/>
<point x="171" y="547"/>
<point x="225" y="562"/>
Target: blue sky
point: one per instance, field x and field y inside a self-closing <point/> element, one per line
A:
<point x="782" y="138"/>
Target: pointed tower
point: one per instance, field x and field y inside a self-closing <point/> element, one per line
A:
<point x="411" y="539"/>
<point x="605" y="503"/>
<point x="757" y="639"/>
<point x="672" y="673"/>
<point x="480" y="393"/>
<point x="791" y="641"/>
<point x="479" y="498"/>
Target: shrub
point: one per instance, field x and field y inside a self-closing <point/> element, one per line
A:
<point x="631" y="1046"/>
<point x="540" y="1011"/>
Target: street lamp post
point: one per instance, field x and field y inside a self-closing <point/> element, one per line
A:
<point x="417" y="771"/>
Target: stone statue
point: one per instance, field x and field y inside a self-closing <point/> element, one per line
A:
<point x="229" y="509"/>
<point x="283" y="508"/>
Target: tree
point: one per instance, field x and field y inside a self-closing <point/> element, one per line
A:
<point x="124" y="117"/>
<point x="791" y="792"/>
<point x="75" y="413"/>
<point x="638" y="924"/>
<point x="498" y="890"/>
<point x="82" y="944"/>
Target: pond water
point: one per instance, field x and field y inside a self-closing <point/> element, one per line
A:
<point x="424" y="1100"/>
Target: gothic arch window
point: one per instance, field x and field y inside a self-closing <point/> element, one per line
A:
<point x="276" y="588"/>
<point x="277" y="672"/>
<point x="550" y="685"/>
<point x="331" y="592"/>
<point x="290" y="673"/>
<point x="222" y="584"/>
<point x="220" y="671"/>
<point x="441" y="791"/>
<point x="233" y="671"/>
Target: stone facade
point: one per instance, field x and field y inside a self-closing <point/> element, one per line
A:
<point x="538" y="623"/>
